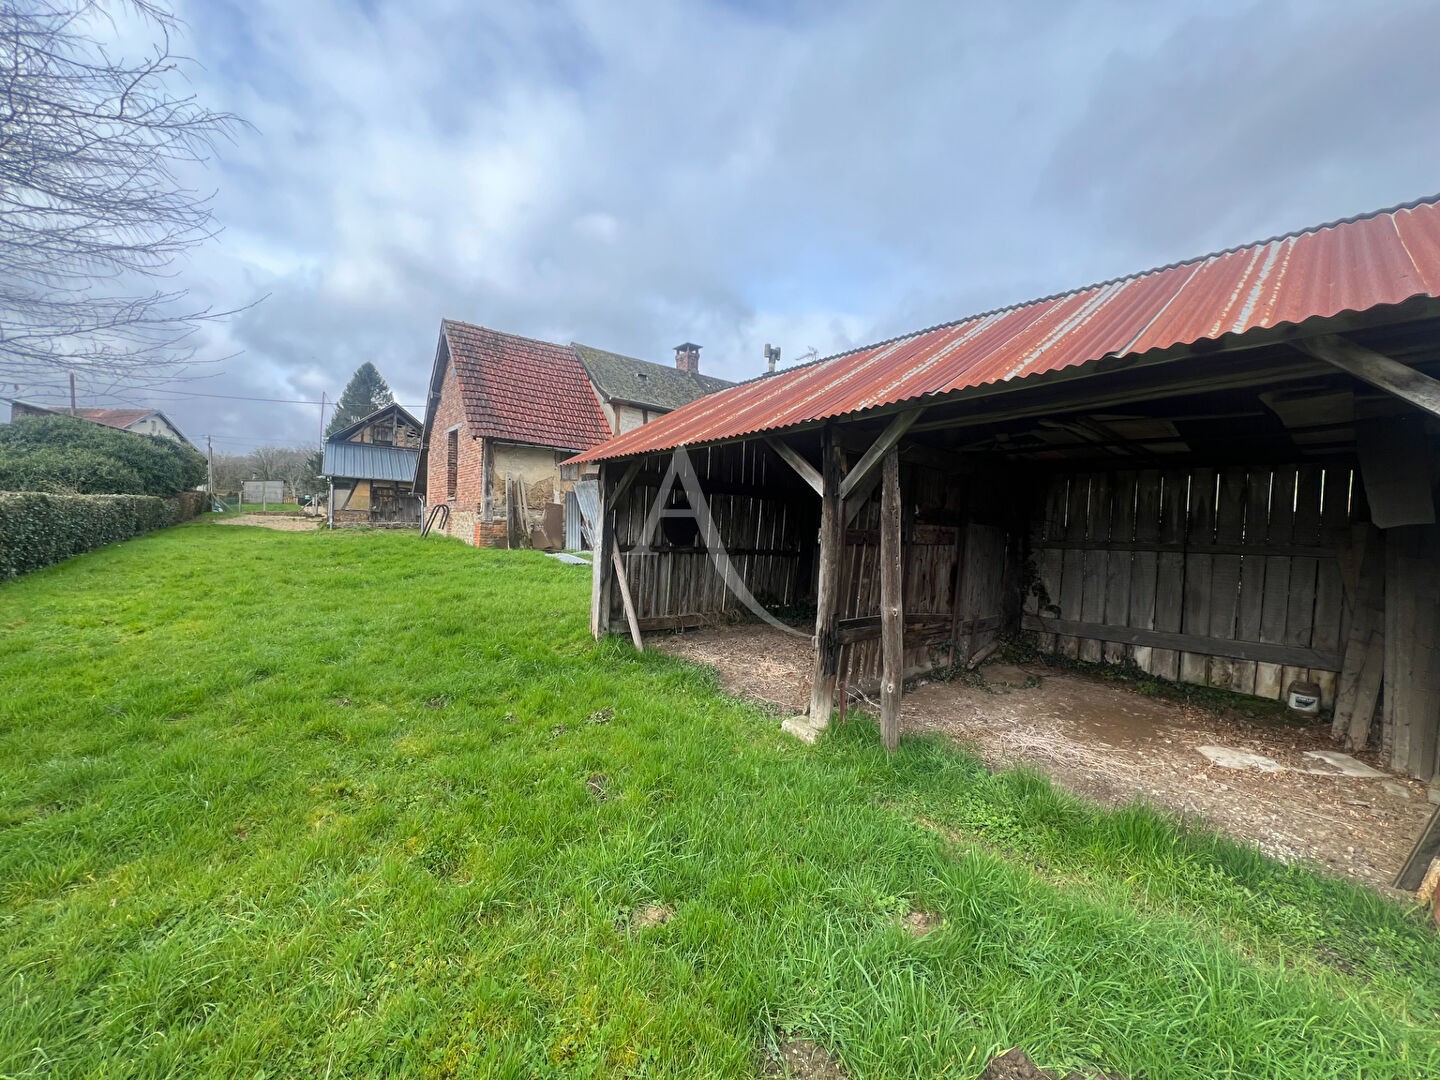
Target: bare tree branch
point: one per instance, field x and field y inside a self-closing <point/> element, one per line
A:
<point x="91" y="150"/>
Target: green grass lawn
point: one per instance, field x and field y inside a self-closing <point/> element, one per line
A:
<point x="400" y="824"/>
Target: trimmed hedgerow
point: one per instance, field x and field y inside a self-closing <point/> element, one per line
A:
<point x="37" y="528"/>
<point x="70" y="456"/>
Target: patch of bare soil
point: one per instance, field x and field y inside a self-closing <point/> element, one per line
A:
<point x="273" y="521"/>
<point x="919" y="923"/>
<point x="651" y="915"/>
<point x="1016" y="1065"/>
<point x="801" y="1059"/>
<point x="761" y="664"/>
<point x="1109" y="743"/>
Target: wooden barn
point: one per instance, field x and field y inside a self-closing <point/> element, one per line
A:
<point x="370" y="466"/>
<point x="1221" y="471"/>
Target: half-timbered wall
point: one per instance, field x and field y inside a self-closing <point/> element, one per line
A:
<point x="1229" y="578"/>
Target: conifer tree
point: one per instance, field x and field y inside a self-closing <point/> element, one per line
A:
<point x="365" y="393"/>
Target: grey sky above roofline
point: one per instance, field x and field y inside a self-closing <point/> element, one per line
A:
<point x="826" y="177"/>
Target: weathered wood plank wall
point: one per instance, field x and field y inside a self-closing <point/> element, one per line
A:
<point x="764" y="516"/>
<point x="1411" y="718"/>
<point x="954" y="576"/>
<point x="1228" y="578"/>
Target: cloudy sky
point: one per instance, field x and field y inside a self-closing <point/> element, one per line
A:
<point x="816" y="175"/>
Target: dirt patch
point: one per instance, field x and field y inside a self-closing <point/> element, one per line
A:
<point x="599" y="786"/>
<point x="1016" y="1065"/>
<point x="801" y="1059"/>
<point x="919" y="923"/>
<point x="281" y="523"/>
<point x="651" y="915"/>
<point x="1108" y="742"/>
<point x="773" y="669"/>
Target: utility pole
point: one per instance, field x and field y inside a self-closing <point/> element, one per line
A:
<point x="73" y="411"/>
<point x="210" y="469"/>
<point x="322" y="420"/>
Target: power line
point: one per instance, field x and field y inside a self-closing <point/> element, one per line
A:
<point x="196" y="393"/>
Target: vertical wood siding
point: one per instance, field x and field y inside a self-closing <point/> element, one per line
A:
<point x="1246" y="555"/>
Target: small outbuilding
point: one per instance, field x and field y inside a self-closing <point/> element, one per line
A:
<point x="371" y="467"/>
<point x="1221" y="472"/>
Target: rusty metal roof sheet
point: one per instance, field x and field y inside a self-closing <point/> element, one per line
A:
<point x="1376" y="259"/>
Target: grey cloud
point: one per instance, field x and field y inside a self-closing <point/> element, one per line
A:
<point x="812" y="175"/>
<point x="1242" y="125"/>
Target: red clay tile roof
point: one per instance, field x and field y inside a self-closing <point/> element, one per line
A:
<point x="120" y="418"/>
<point x="522" y="390"/>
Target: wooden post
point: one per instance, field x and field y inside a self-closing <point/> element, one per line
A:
<point x="630" y="618"/>
<point x="602" y="571"/>
<point x="827" y="648"/>
<point x="892" y="615"/>
<point x="957" y="594"/>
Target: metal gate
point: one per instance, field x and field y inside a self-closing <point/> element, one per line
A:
<point x="581" y="509"/>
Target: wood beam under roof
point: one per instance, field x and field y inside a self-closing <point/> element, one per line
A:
<point x="1377" y="369"/>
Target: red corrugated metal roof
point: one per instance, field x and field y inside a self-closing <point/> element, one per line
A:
<point x="1353" y="265"/>
<point x="521" y="390"/>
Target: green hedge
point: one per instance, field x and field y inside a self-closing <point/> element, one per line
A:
<point x="37" y="529"/>
<point x="71" y="456"/>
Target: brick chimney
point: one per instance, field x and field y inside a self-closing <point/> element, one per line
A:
<point x="687" y="357"/>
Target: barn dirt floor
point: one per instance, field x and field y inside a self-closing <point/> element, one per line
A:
<point x="1106" y="741"/>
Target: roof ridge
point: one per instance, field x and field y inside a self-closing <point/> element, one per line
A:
<point x="363" y="420"/>
<point x="1411" y="204"/>
<point x="650" y="363"/>
<point x="502" y="333"/>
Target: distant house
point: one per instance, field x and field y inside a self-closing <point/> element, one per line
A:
<point x="504" y="411"/>
<point x="140" y="421"/>
<point x="371" y="468"/>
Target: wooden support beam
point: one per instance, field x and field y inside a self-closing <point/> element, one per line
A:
<point x="1285" y="655"/>
<point x="1377" y="369"/>
<point x="882" y="445"/>
<point x="601" y="573"/>
<point x="957" y="591"/>
<point x="625" y="599"/>
<point x="796" y="461"/>
<point x="921" y="629"/>
<point x="827" y="648"/>
<point x="627" y="478"/>
<point x="1425" y="851"/>
<point x="860" y="496"/>
<point x="892" y="615"/>
<point x="683" y="621"/>
<point x="1071" y="399"/>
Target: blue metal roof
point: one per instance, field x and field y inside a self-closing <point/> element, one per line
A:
<point x="366" y="461"/>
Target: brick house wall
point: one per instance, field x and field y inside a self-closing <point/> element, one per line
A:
<point x="467" y="504"/>
<point x="537" y="468"/>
